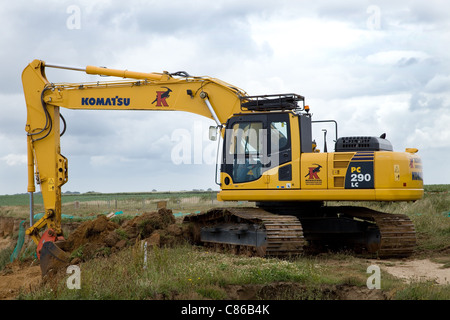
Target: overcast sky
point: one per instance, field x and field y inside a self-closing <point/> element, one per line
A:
<point x="373" y="66"/>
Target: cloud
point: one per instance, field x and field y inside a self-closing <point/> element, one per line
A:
<point x="14" y="159"/>
<point x="389" y="77"/>
<point x="439" y="83"/>
<point x="397" y="57"/>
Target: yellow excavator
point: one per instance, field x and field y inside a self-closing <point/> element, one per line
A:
<point x="268" y="156"/>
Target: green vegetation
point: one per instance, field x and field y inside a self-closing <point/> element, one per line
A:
<point x="424" y="290"/>
<point x="5" y="255"/>
<point x="91" y="204"/>
<point x="187" y="272"/>
<point x="22" y="199"/>
<point x="437" y="188"/>
<point x="183" y="272"/>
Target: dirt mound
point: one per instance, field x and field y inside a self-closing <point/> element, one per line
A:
<point x="157" y="228"/>
<point x="89" y="237"/>
<point x="102" y="236"/>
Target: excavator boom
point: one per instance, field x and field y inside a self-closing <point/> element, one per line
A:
<point x="140" y="91"/>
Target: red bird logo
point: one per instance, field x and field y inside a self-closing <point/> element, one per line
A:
<point x="161" y="97"/>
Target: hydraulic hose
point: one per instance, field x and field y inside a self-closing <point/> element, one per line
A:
<point x="48" y="119"/>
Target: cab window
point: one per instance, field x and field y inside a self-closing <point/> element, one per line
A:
<point x="246" y="147"/>
<point x="278" y="136"/>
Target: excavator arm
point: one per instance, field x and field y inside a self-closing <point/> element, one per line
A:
<point x="204" y="96"/>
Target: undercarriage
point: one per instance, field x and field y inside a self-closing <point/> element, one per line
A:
<point x="287" y="229"/>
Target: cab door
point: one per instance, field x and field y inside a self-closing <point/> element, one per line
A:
<point x="244" y="152"/>
<point x="280" y="170"/>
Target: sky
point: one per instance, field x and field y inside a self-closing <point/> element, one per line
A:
<point x="373" y="66"/>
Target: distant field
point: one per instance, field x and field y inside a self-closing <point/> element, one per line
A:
<point x="93" y="203"/>
<point x="23" y="198"/>
<point x="437" y="188"/>
<point x="129" y="203"/>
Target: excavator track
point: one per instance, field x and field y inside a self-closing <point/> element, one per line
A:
<point x="396" y="231"/>
<point x="250" y="231"/>
<point x="365" y="231"/>
<point x="258" y="232"/>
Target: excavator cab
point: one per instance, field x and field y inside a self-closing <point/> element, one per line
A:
<point x="255" y="143"/>
<point x="259" y="147"/>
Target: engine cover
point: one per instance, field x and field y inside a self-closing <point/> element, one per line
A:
<point x="362" y="144"/>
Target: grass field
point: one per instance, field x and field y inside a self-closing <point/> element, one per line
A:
<point x="89" y="203"/>
<point x="128" y="203"/>
<point x="187" y="272"/>
<point x="23" y="198"/>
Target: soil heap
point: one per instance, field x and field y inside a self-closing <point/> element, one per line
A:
<point x="103" y="236"/>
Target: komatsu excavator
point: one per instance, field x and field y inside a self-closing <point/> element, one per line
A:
<point x="267" y="156"/>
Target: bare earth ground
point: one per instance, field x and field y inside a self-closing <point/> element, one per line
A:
<point x="17" y="277"/>
<point x="419" y="270"/>
<point x="21" y="277"/>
